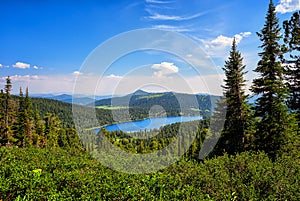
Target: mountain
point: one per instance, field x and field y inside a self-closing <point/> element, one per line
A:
<point x="140" y="93"/>
<point x="75" y="99"/>
<point x="173" y="103"/>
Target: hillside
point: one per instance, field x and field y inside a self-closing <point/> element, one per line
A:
<point x="171" y="102"/>
<point x="55" y="174"/>
<point x="67" y="98"/>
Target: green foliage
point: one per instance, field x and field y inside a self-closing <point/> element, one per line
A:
<point x="234" y="132"/>
<point x="272" y="130"/>
<point x="55" y="174"/>
<point x="174" y="104"/>
<point x="20" y="126"/>
<point x="192" y="133"/>
<point x="292" y="60"/>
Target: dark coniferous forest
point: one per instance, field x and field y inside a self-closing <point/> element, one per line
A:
<point x="256" y="157"/>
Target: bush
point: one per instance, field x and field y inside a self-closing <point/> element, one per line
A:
<point x="55" y="174"/>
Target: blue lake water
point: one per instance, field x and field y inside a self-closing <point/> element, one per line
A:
<point x="149" y="123"/>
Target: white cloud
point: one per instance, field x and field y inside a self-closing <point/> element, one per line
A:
<point x="227" y="41"/>
<point x="157" y="16"/>
<point x="21" y="65"/>
<point x="43" y="83"/>
<point x="113" y="76"/>
<point x="221" y="41"/>
<point x="216" y="47"/>
<point x="76" y="73"/>
<point x="287" y="6"/>
<point x="35" y="67"/>
<point x="0" y="65"/>
<point x="172" y="28"/>
<point x="164" y="68"/>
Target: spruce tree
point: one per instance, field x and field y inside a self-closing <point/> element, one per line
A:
<point x="8" y="134"/>
<point x="2" y="117"/>
<point x="270" y="107"/>
<point x="19" y="126"/>
<point x="234" y="131"/>
<point x="292" y="61"/>
<point x="23" y="128"/>
<point x="52" y="126"/>
<point x="28" y="114"/>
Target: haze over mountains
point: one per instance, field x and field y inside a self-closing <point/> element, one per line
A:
<point x="67" y="98"/>
<point x="109" y="100"/>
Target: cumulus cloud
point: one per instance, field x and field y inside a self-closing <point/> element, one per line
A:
<point x="35" y="67"/>
<point x="77" y="73"/>
<point x="225" y="41"/>
<point x="287" y="6"/>
<point x="216" y="47"/>
<point x="21" y="65"/>
<point x="113" y="76"/>
<point x="164" y="68"/>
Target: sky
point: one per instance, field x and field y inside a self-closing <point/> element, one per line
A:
<point x="70" y="47"/>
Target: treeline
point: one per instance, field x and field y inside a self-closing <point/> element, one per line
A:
<point x="174" y="104"/>
<point x="22" y="126"/>
<point x="189" y="137"/>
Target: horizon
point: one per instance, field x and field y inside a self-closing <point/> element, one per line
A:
<point x="112" y="95"/>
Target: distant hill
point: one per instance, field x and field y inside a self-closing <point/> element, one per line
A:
<point x="67" y="98"/>
<point x="64" y="111"/>
<point x="173" y="103"/>
<point x="140" y="103"/>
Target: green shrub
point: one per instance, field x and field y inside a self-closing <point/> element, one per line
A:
<point x="56" y="174"/>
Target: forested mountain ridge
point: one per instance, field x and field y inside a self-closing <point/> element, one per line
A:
<point x="171" y="102"/>
<point x="68" y="98"/>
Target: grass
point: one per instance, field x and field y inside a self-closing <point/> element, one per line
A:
<point x="151" y="96"/>
<point x="106" y="107"/>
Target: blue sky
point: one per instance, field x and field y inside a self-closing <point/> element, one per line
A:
<point x="44" y="43"/>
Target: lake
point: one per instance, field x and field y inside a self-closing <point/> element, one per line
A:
<point x="149" y="123"/>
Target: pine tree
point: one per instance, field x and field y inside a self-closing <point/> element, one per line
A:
<point x="216" y="125"/>
<point x="19" y="127"/>
<point x="52" y="126"/>
<point x="270" y="107"/>
<point x="292" y="41"/>
<point x="38" y="131"/>
<point x="8" y="134"/>
<point x="234" y="132"/>
<point x="23" y="128"/>
<point x="28" y="114"/>
<point x="2" y="117"/>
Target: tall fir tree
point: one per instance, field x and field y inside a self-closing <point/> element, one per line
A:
<point x="19" y="126"/>
<point x="28" y="113"/>
<point x="273" y="128"/>
<point x="292" y="61"/>
<point x="52" y="127"/>
<point x="234" y="132"/>
<point x="8" y="134"/>
<point x="2" y="117"/>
